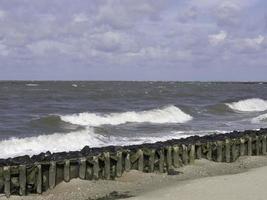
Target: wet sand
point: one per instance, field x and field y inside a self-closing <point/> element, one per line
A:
<point x="244" y="179"/>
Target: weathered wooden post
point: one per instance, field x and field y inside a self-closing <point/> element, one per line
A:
<point x="176" y="157"/>
<point x="95" y="167"/>
<point x="119" y="164"/>
<point x="257" y="145"/>
<point x="52" y="174"/>
<point x="198" y="150"/>
<point x="219" y="151"/>
<point x="192" y="154"/>
<point x="184" y="154"/>
<point x="7" y="179"/>
<point x="67" y="171"/>
<point x="127" y="162"/>
<point x="264" y="145"/>
<point x="140" y="160"/>
<point x="161" y="161"/>
<point x="39" y="179"/>
<point x="234" y="153"/>
<point x="22" y="180"/>
<point x="249" y="140"/>
<point x="209" y="150"/>
<point x="227" y="150"/>
<point x="242" y="146"/>
<point x="82" y="168"/>
<point x="107" y="165"/>
<point x="152" y="161"/>
<point x="169" y="157"/>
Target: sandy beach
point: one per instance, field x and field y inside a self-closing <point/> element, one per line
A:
<point x="244" y="179"/>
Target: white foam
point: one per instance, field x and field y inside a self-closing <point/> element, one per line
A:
<point x="32" y="84"/>
<point x="249" y="105"/>
<point x="170" y="114"/>
<point x="55" y="143"/>
<point x="260" y="119"/>
<point x="75" y="141"/>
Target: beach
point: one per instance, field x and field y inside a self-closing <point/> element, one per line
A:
<point x="244" y="179"/>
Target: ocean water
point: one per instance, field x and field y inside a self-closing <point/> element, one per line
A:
<point x="64" y="116"/>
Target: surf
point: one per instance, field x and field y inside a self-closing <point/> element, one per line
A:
<point x="169" y="114"/>
<point x="249" y="105"/>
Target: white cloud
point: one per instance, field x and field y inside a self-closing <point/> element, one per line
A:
<point x="81" y="17"/>
<point x="216" y="39"/>
<point x="47" y="46"/>
<point x="3" y="50"/>
<point x="2" y="14"/>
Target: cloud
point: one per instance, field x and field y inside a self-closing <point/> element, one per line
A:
<point x="3" y="50"/>
<point x="216" y="39"/>
<point x="249" y="45"/>
<point x="2" y="14"/>
<point x="81" y="17"/>
<point x="123" y="35"/>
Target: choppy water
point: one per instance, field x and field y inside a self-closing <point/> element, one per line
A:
<point x="63" y="116"/>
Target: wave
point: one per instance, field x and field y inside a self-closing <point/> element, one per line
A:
<point x="32" y="84"/>
<point x="169" y="114"/>
<point x="260" y="119"/>
<point x="249" y="105"/>
<point x="75" y="141"/>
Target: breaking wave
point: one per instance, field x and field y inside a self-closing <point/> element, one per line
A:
<point x="32" y="84"/>
<point x="249" y="105"/>
<point x="260" y="119"/>
<point x="76" y="140"/>
<point x="169" y="114"/>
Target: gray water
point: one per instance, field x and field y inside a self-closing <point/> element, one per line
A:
<point x="63" y="116"/>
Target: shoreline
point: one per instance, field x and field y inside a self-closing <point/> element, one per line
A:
<point x="155" y="185"/>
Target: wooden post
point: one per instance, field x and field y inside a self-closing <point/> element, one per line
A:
<point x="161" y="161"/>
<point x="227" y="151"/>
<point x="96" y="167"/>
<point x="39" y="179"/>
<point x="176" y="157"/>
<point x="7" y="179"/>
<point x="169" y="157"/>
<point x="141" y="160"/>
<point x="127" y="162"/>
<point x="52" y="174"/>
<point x="67" y="171"/>
<point x="198" y="150"/>
<point x="107" y="165"/>
<point x="119" y="164"/>
<point x="22" y="180"/>
<point x="192" y="154"/>
<point x="264" y="145"/>
<point x="219" y="151"/>
<point x="242" y="146"/>
<point x="82" y="168"/>
<point x="249" y="146"/>
<point x="234" y="153"/>
<point x="257" y="145"/>
<point x="152" y="161"/>
<point x="209" y="151"/>
<point x="184" y="154"/>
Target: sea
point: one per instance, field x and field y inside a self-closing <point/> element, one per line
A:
<point x="55" y="116"/>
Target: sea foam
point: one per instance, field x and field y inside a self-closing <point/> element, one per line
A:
<point x="249" y="105"/>
<point x="260" y="119"/>
<point x="169" y="114"/>
<point x="75" y="141"/>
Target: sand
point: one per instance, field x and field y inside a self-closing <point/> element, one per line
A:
<point x="244" y="179"/>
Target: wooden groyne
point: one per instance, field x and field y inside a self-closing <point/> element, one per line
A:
<point x="25" y="175"/>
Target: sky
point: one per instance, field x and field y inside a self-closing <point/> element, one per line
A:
<point x="181" y="40"/>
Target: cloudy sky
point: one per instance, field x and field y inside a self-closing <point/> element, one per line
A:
<point x="133" y="39"/>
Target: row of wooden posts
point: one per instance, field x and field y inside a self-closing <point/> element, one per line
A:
<point x="39" y="177"/>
